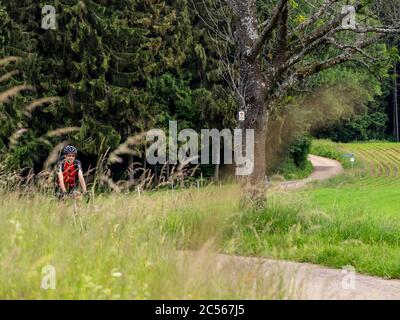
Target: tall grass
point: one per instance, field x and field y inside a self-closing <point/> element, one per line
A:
<point x="127" y="250"/>
<point x="329" y="149"/>
<point x="128" y="247"/>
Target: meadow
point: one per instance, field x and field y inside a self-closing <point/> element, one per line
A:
<point x="352" y="219"/>
<point x="126" y="246"/>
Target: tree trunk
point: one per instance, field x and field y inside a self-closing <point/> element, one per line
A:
<point x="251" y="100"/>
<point x="216" y="173"/>
<point x="252" y="87"/>
<point x="258" y="175"/>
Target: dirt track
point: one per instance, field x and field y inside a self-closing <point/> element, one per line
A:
<point x="324" y="168"/>
<point x="298" y="280"/>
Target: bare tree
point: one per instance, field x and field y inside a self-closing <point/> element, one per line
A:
<point x="275" y="55"/>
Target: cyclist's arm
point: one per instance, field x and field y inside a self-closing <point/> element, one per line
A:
<point x="81" y="177"/>
<point x="61" y="182"/>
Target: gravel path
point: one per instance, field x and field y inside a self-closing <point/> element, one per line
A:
<point x="298" y="280"/>
<point x="305" y="280"/>
<point x="324" y="168"/>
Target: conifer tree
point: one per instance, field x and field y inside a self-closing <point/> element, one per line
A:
<point x="116" y="65"/>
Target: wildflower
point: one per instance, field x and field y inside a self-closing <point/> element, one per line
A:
<point x="116" y="274"/>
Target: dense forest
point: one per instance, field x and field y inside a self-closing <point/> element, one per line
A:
<point x="119" y="68"/>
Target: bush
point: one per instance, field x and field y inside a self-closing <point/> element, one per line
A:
<point x="291" y="172"/>
<point x="299" y="150"/>
<point x="296" y="165"/>
<point x="326" y="148"/>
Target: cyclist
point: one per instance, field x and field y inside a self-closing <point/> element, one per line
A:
<point x="69" y="172"/>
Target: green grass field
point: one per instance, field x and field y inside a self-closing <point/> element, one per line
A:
<point x="128" y="248"/>
<point x="353" y="219"/>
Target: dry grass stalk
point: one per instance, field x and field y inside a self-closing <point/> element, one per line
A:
<point x="126" y="148"/>
<point x="9" y="59"/>
<point x="37" y="103"/>
<point x="12" y="92"/>
<point x="62" y="131"/>
<point x="54" y="154"/>
<point x="8" y="75"/>
<point x="16" y="136"/>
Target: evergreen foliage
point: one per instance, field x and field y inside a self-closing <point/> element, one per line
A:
<point x="120" y="67"/>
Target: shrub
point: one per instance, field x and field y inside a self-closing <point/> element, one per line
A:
<point x="299" y="149"/>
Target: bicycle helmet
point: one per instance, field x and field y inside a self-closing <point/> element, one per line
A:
<point x="70" y="149"/>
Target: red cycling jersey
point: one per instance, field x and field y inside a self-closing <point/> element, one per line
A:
<point x="70" y="172"/>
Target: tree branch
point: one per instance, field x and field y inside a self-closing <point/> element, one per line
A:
<point x="269" y="27"/>
<point x="234" y="6"/>
<point x="346" y="47"/>
<point x="383" y="30"/>
<point x="322" y="10"/>
<point x="323" y="31"/>
<point x="346" y="56"/>
<point x="323" y="37"/>
<point x="296" y="76"/>
<point x="225" y="36"/>
<point x="298" y="57"/>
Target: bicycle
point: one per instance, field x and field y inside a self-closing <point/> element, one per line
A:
<point x="76" y="196"/>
